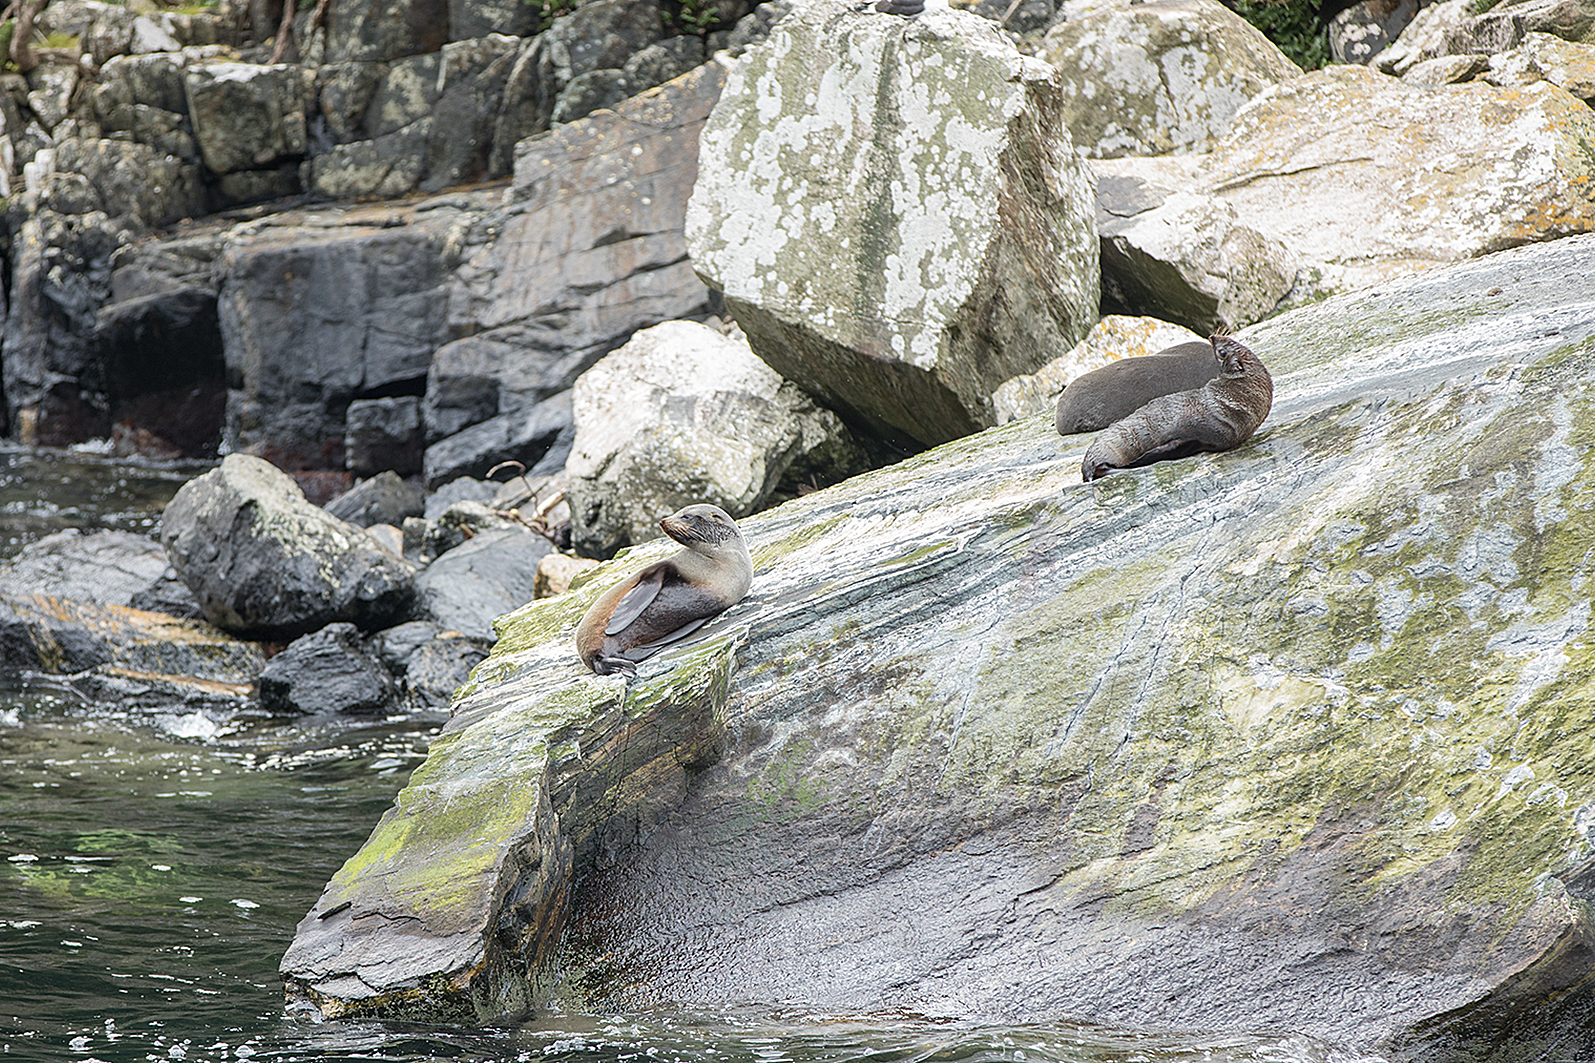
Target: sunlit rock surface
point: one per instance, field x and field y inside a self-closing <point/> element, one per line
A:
<point x="1290" y="737"/>
<point x="900" y="227"/>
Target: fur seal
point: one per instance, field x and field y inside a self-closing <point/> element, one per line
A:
<point x="1220" y="415"/>
<point x="1111" y="393"/>
<point x="669" y="599"/>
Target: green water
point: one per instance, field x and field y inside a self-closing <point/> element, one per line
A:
<point x="153" y="867"/>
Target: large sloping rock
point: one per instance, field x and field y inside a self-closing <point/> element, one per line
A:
<point x="1161" y="77"/>
<point x="1290" y="737"/>
<point x="683" y="414"/>
<point x="1439" y="173"/>
<point x="265" y="562"/>
<point x="902" y="225"/>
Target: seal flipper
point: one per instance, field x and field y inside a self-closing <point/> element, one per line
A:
<point x="630" y="607"/>
<point x="648" y="649"/>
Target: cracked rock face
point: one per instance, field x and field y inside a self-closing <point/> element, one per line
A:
<point x="1292" y="736"/>
<point x="931" y="157"/>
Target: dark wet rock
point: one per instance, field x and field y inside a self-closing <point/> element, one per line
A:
<point x="395" y="645"/>
<point x="385" y="30"/>
<point x="539" y="437"/>
<point x="489" y="574"/>
<point x="441" y="666"/>
<point x="103" y="567"/>
<point x="463" y="489"/>
<point x="367" y="291"/>
<point x="265" y="562"/>
<point x="327" y="671"/>
<point x="1153" y="751"/>
<point x="947" y="220"/>
<point x="383" y="499"/>
<point x="383" y="434"/>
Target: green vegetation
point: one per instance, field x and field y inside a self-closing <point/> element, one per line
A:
<point x="1293" y="27"/>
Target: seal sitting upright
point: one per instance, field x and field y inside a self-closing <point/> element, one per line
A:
<point x="1220" y="415"/>
<point x="669" y="599"/>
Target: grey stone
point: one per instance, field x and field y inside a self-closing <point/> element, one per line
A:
<point x="102" y="568"/>
<point x="265" y="562"/>
<point x="470" y="19"/>
<point x="440" y="667"/>
<point x="1363" y="30"/>
<point x="134" y="184"/>
<point x="1151" y="752"/>
<point x="461" y="489"/>
<point x="314" y="316"/>
<point x="1160" y="77"/>
<point x="971" y="238"/>
<point x="327" y="671"/>
<point x="539" y="438"/>
<point x="383" y="434"/>
<point x="1186" y="257"/>
<point x="664" y="61"/>
<point x="385" y="30"/>
<point x="247" y="116"/>
<point x="395" y="645"/>
<point x="464" y="116"/>
<point x="589" y="92"/>
<point x="486" y="576"/>
<point x="383" y="167"/>
<point x="681" y="415"/>
<point x="383" y="499"/>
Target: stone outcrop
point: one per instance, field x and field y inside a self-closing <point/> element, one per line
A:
<point x="1458" y="27"/>
<point x="327" y="671"/>
<point x="1159" y="77"/>
<point x="895" y="256"/>
<point x="926" y="766"/>
<point x="683" y="414"/>
<point x="1439" y="174"/>
<point x="265" y="563"/>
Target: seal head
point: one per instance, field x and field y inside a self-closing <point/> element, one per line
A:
<point x="1094" y="400"/>
<point x="670" y="599"/>
<point x="1220" y="415"/>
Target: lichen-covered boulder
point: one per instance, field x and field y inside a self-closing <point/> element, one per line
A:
<point x="683" y="414"/>
<point x="1542" y="57"/>
<point x="1160" y="77"/>
<point x="1115" y="336"/>
<point x="266" y="563"/>
<point x="1290" y="737"/>
<point x="1460" y="27"/>
<point x="896" y="215"/>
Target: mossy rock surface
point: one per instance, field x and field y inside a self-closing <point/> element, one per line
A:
<point x="1294" y="736"/>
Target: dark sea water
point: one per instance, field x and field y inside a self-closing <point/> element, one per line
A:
<point x="153" y="867"/>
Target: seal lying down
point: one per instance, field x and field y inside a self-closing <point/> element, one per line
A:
<point x="669" y="599"/>
<point x="1220" y="415"/>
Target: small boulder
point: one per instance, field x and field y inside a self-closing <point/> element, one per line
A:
<point x="684" y="414"/>
<point x="327" y="671"/>
<point x="264" y="562"/>
<point x="383" y="434"/>
<point x="438" y="668"/>
<point x="383" y="499"/>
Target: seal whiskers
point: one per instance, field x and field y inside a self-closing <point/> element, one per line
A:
<point x="1220" y="415"/>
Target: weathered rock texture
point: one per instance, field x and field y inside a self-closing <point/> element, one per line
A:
<point x="1439" y="173"/>
<point x="1457" y="27"/>
<point x="1289" y="737"/>
<point x="900" y="229"/>
<point x="1160" y="77"/>
<point x="683" y="414"/>
<point x="266" y="563"/>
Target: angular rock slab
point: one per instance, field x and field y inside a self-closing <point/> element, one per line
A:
<point x="902" y="226"/>
<point x="1160" y="77"/>
<point x="1441" y="173"/>
<point x="1115" y="336"/>
<point x="265" y="562"/>
<point x="681" y="415"/>
<point x="1291" y="737"/>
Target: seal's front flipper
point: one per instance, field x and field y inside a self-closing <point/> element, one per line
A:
<point x="636" y="600"/>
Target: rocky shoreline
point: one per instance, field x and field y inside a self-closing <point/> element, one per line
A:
<point x="1209" y="744"/>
